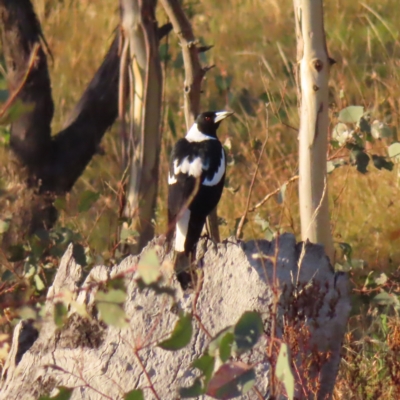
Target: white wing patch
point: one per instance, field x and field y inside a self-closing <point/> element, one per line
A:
<point x="171" y="179"/>
<point x="218" y="175"/>
<point x="181" y="231"/>
<point x="193" y="168"/>
<point x="194" y="135"/>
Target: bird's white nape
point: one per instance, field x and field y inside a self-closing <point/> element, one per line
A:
<point x="218" y="174"/>
<point x="194" y="135"/>
<point x="181" y="231"/>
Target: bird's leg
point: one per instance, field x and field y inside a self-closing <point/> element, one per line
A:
<point x="206" y="235"/>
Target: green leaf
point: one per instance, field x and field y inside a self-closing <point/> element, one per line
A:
<point x="39" y="284"/>
<point x="149" y="267"/>
<point x="351" y="114"/>
<point x="347" y="249"/>
<point x="63" y="394"/>
<point x="87" y="199"/>
<point x="380" y="130"/>
<point x="127" y="233"/>
<point x="60" y="204"/>
<point x="164" y="53"/>
<point x="136" y="394"/>
<point x="386" y="299"/>
<point x="112" y="314"/>
<point x="181" y="335"/>
<point x="117" y="296"/>
<point x="206" y="365"/>
<point x="110" y="307"/>
<point x="225" y="347"/>
<point x="231" y="380"/>
<point x="394" y="151"/>
<point x="223" y="82"/>
<point x="381" y="279"/>
<point x="283" y="371"/>
<point x="4" y="95"/>
<point x="247" y="331"/>
<point x="215" y="344"/>
<point x="381" y="162"/>
<point x="60" y="314"/>
<point x="192" y="391"/>
<point x="4" y="225"/>
<point x="7" y="276"/>
<point x="171" y="122"/>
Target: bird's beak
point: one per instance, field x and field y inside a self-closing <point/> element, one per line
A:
<point x="220" y="115"/>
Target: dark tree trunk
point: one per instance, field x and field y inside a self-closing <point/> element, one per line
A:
<point x="46" y="166"/>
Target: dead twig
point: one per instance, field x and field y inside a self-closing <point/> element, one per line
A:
<point x="13" y="96"/>
<point x="269" y="195"/>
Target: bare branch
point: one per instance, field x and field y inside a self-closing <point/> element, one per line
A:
<point x="194" y="73"/>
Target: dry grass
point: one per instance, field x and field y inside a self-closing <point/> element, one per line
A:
<point x="254" y="51"/>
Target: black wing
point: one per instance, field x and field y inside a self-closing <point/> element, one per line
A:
<point x="179" y="192"/>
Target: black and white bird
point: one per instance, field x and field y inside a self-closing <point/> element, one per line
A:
<point x="196" y="179"/>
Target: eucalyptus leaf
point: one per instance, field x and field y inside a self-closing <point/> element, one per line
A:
<point x="87" y="199"/>
<point x="149" y="267"/>
<point x="181" y="335"/>
<point x="351" y="114"/>
<point x="64" y="393"/>
<point x="231" y="380"/>
<point x="394" y="151"/>
<point x="380" y="130"/>
<point x="283" y="371"/>
<point x="247" y="331"/>
<point x="136" y="394"/>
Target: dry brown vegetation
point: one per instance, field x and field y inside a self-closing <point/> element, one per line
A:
<point x="254" y="50"/>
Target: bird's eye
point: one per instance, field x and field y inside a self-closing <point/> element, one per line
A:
<point x="208" y="119"/>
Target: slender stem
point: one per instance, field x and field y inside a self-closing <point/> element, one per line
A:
<point x="11" y="99"/>
<point x="242" y="220"/>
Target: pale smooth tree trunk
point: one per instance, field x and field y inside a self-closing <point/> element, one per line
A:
<point x="142" y="149"/>
<point x="312" y="80"/>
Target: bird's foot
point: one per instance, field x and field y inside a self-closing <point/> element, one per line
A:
<point x="204" y="244"/>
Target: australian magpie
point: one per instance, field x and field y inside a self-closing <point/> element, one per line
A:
<point x="196" y="179"/>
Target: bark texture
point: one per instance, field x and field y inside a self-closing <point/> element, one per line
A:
<point x="100" y="362"/>
<point x="141" y="39"/>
